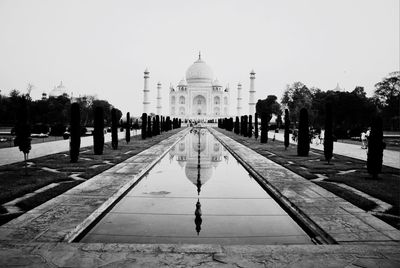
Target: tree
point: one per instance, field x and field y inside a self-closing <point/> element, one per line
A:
<point x="144" y="125"/>
<point x="295" y="97"/>
<point x="245" y="126"/>
<point x="328" y="136"/>
<point x="75" y="130"/>
<point x="303" y="144"/>
<point x="128" y="128"/>
<point x="387" y="96"/>
<point x="98" y="132"/>
<point x="287" y="126"/>
<point x="236" y="129"/>
<point x="249" y="132"/>
<point x="23" y="130"/>
<point x="375" y="148"/>
<point x="265" y="108"/>
<point x="149" y="132"/>
<point x="264" y="128"/>
<point x="158" y="124"/>
<point x="114" y="129"/>
<point x="154" y="127"/>
<point x="256" y="125"/>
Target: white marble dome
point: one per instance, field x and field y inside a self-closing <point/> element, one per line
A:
<point x="199" y="71"/>
<point x="58" y="91"/>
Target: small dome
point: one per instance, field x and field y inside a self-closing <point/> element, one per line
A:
<point x="199" y="71"/>
<point x="58" y="90"/>
<point x="182" y="83"/>
<point x="216" y="83"/>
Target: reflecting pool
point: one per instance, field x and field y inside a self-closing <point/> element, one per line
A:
<point x="199" y="194"/>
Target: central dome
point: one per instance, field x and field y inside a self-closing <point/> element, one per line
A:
<point x="199" y="71"/>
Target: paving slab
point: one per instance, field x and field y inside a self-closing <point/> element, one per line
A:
<point x="172" y="255"/>
<point x="307" y="201"/>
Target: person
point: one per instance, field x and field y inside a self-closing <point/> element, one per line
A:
<point x="367" y="137"/>
<point x="363" y="140"/>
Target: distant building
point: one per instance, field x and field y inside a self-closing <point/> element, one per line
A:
<point x="199" y="96"/>
<point x="58" y="90"/>
<point x="338" y="88"/>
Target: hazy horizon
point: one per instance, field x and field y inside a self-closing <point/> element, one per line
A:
<point x="102" y="47"/>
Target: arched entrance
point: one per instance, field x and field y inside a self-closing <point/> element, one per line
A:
<point x="199" y="106"/>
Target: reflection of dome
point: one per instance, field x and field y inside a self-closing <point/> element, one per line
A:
<point x="199" y="71"/>
<point x="58" y="91"/>
<point x="205" y="171"/>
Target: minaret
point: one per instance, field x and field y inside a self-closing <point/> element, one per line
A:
<point x="252" y="103"/>
<point x="159" y="98"/>
<point x="239" y="100"/>
<point x="146" y="102"/>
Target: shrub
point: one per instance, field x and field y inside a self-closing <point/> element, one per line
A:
<point x="128" y="128"/>
<point x="98" y="132"/>
<point x="303" y="143"/>
<point x="158" y="125"/>
<point x="57" y="130"/>
<point x="250" y="126"/>
<point x="23" y="130"/>
<point x="75" y="131"/>
<point x="168" y="124"/>
<point x="287" y="126"/>
<point x="375" y="148"/>
<point x="264" y="129"/>
<point x="256" y="125"/>
<point x="114" y="129"/>
<point x="236" y="129"/>
<point x="245" y="125"/>
<point x="149" y="132"/>
<point x="144" y="125"/>
<point x="154" y="127"/>
<point x="328" y="136"/>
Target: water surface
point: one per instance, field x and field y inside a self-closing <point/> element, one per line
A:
<point x="177" y="202"/>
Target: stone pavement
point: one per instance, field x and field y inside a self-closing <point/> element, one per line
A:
<point x="13" y="154"/>
<point x="390" y="158"/>
<point x="43" y="236"/>
<point x="167" y="255"/>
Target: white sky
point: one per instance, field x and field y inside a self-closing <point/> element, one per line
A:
<point x="103" y="47"/>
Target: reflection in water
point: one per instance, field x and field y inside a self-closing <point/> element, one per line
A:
<point x="198" y="219"/>
<point x="199" y="154"/>
<point x="187" y="153"/>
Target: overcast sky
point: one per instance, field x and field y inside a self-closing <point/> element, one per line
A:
<point x="103" y="47"/>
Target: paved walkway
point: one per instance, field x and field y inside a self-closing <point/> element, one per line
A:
<point x="390" y="158"/>
<point x="168" y="255"/>
<point x="14" y="155"/>
<point x="42" y="236"/>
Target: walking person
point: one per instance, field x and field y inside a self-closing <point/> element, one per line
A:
<point x="363" y="140"/>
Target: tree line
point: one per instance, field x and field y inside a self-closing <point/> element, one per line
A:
<point x="352" y="110"/>
<point x="53" y="112"/>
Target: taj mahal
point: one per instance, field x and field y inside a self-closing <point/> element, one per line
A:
<point x="199" y="95"/>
